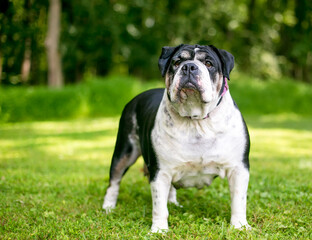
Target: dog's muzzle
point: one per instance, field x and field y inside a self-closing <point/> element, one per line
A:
<point x="190" y="81"/>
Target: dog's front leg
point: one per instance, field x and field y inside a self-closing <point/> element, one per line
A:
<point x="238" y="182"/>
<point x="160" y="188"/>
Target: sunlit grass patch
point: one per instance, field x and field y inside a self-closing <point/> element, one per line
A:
<point x="281" y="139"/>
<point x="53" y="177"/>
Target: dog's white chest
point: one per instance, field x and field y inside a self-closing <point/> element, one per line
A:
<point x="193" y="153"/>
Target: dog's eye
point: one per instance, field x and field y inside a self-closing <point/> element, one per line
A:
<point x="208" y="63"/>
<point x="176" y="63"/>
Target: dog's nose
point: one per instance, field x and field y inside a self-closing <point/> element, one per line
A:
<point x="190" y="68"/>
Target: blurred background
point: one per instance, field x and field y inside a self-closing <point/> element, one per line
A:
<point x="67" y="69"/>
<point x="101" y="44"/>
<point x="269" y="39"/>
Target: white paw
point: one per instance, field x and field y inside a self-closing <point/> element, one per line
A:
<point x="176" y="203"/>
<point x="241" y="225"/>
<point x="244" y="227"/>
<point x="159" y="230"/>
<point x="160" y="226"/>
<point x="108" y="207"/>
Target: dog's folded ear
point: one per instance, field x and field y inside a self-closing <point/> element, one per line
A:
<point x="227" y="60"/>
<point x="165" y="57"/>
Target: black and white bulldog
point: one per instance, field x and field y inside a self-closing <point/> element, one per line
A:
<point x="188" y="133"/>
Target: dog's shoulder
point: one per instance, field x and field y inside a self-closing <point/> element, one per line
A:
<point x="148" y="102"/>
<point x="142" y="109"/>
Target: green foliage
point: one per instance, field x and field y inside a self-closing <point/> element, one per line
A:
<point x="254" y="96"/>
<point x="93" y="98"/>
<point x="100" y="97"/>
<point x="267" y="38"/>
<point x="53" y="177"/>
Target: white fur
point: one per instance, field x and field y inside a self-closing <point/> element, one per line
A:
<point x="111" y="196"/>
<point x="173" y="197"/>
<point x="193" y="152"/>
<point x="160" y="193"/>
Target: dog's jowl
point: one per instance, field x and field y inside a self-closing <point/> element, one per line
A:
<point x="188" y="133"/>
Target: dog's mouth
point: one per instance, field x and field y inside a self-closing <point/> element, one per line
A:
<point x="190" y="90"/>
<point x="189" y="85"/>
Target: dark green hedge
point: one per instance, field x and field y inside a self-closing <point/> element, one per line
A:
<point x="107" y="97"/>
<point x="93" y="98"/>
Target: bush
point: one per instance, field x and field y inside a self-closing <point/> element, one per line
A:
<point x="255" y="96"/>
<point x="95" y="97"/>
<point x="102" y="97"/>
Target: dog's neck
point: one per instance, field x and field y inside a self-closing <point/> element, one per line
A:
<point x="217" y="120"/>
<point x="191" y="105"/>
<point x="193" y="109"/>
<point x="223" y="90"/>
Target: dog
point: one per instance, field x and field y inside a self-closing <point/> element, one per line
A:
<point x="188" y="133"/>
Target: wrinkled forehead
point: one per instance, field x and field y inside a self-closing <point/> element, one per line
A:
<point x="191" y="52"/>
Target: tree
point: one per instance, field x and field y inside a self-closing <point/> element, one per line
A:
<point x="26" y="64"/>
<point x="268" y="38"/>
<point x="55" y="76"/>
<point x="3" y="8"/>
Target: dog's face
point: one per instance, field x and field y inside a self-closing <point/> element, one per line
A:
<point x="194" y="77"/>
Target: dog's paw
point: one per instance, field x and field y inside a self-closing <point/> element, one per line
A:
<point x="158" y="230"/>
<point x="108" y="207"/>
<point x="241" y="225"/>
<point x="176" y="203"/>
<point x="160" y="227"/>
<point x="108" y="210"/>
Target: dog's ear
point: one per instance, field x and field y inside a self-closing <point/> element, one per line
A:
<point x="227" y="60"/>
<point x="165" y="57"/>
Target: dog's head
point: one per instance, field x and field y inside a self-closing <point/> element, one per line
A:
<point x="195" y="77"/>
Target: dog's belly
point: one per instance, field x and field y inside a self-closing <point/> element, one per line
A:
<point x="193" y="161"/>
<point x="196" y="174"/>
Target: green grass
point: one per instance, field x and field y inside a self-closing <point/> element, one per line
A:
<point x="53" y="177"/>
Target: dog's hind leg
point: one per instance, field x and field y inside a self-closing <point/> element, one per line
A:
<point x="172" y="198"/>
<point x="126" y="152"/>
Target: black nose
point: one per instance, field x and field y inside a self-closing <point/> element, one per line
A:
<point x="190" y="68"/>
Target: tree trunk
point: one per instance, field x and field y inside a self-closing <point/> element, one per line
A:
<point x="26" y="64"/>
<point x="55" y="76"/>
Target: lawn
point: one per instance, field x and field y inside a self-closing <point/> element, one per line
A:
<point x="53" y="177"/>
